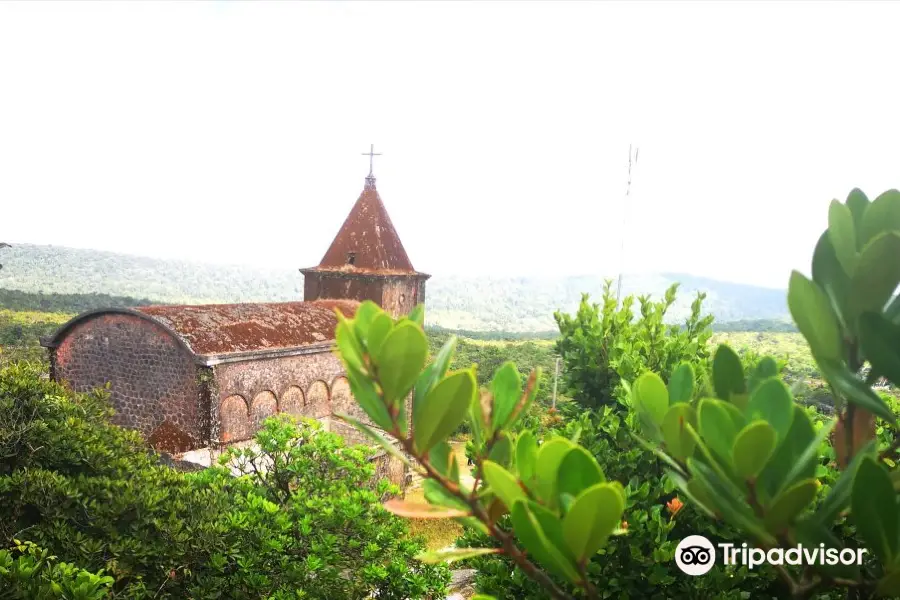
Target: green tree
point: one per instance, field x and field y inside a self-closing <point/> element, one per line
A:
<point x="604" y="345"/>
<point x="302" y="519"/>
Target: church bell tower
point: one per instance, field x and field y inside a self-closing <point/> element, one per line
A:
<point x="366" y="260"/>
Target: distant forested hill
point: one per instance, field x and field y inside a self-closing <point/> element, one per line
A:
<point x="511" y="304"/>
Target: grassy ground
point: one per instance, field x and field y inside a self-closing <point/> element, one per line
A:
<point x="439" y="533"/>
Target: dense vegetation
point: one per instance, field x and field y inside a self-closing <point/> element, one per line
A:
<point x="511" y="304"/>
<point x="656" y="437"/>
<point x="726" y="433"/>
<point x="302" y="521"/>
<point x="18" y="300"/>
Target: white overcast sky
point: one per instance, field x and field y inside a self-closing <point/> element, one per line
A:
<point x="233" y="132"/>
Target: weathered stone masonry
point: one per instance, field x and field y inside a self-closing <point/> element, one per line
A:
<point x="152" y="377"/>
<point x="251" y="391"/>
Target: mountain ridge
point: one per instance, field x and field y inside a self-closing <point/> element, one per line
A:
<point x="478" y="303"/>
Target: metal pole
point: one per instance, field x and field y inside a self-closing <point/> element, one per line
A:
<point x="631" y="156"/>
<point x="555" y="378"/>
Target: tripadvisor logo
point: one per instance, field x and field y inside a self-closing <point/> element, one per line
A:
<point x="696" y="555"/>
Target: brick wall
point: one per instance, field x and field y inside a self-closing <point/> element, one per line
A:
<point x="400" y="296"/>
<point x="396" y="295"/>
<point x="311" y="385"/>
<point x="152" y="378"/>
<point x="341" y="286"/>
<point x="249" y="391"/>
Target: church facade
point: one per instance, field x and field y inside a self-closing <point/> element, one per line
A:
<point x="196" y="377"/>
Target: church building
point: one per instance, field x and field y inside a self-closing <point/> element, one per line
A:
<point x="193" y="377"/>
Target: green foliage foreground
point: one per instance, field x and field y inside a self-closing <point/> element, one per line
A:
<point x="299" y="516"/>
<point x="743" y="452"/>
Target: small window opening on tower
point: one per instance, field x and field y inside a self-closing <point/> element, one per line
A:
<point x="351" y="258"/>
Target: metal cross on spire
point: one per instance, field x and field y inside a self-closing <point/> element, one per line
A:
<point x="371" y="154"/>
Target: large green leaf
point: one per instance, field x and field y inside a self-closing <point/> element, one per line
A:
<point x="594" y="515"/>
<point x="772" y="403"/>
<point x="883" y="214"/>
<point x="729" y="502"/>
<point x="849" y="386"/>
<point x="526" y="455"/>
<point x="858" y="202"/>
<point x="443" y="409"/>
<point x="790" y="503"/>
<point x="578" y="471"/>
<point x="552" y="526"/>
<point x="417" y="315"/>
<point x="765" y="368"/>
<point x="400" y="360"/>
<point x="716" y="426"/>
<point x="728" y="373"/>
<point x="366" y="395"/>
<point x="804" y="464"/>
<point x="435" y="493"/>
<point x="502" y="450"/>
<point x="830" y="276"/>
<point x="503" y="483"/>
<point x="681" y="384"/>
<point x="531" y="535"/>
<point x="874" y="509"/>
<point x="880" y="341"/>
<point x="349" y="348"/>
<point x="677" y="439"/>
<point x="442" y="458"/>
<point x="753" y="448"/>
<point x="877" y="275"/>
<point x="379" y="329"/>
<point x="525" y="401"/>
<point x="814" y="317"/>
<point x="433" y="373"/>
<point x="799" y="437"/>
<point x="842" y="232"/>
<point x="656" y="451"/>
<point x="364" y="315"/>
<point x="549" y="457"/>
<point x="651" y="396"/>
<point x="506" y="388"/>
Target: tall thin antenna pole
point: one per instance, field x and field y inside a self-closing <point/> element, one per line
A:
<point x="624" y="218"/>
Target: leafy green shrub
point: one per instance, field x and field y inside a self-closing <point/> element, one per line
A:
<point x="641" y="563"/>
<point x="311" y="526"/>
<point x="327" y="493"/>
<point x="603" y="344"/>
<point x="31" y="573"/>
<point x="753" y="457"/>
<point x="745" y="454"/>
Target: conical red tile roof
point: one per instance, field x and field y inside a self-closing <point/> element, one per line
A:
<point x="367" y="241"/>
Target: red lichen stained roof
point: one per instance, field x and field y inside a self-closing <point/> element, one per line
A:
<point x="369" y="237"/>
<point x="225" y="328"/>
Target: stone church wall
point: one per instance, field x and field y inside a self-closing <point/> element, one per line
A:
<point x="311" y="385"/>
<point x="152" y="377"/>
<point x="250" y="391"/>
